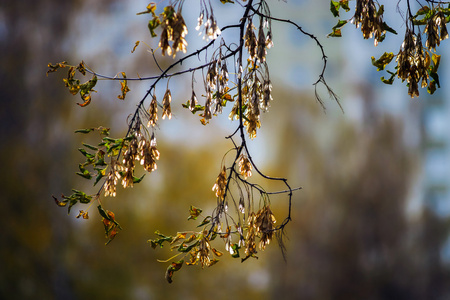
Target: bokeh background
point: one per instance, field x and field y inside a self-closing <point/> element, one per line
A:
<point x="371" y="221"/>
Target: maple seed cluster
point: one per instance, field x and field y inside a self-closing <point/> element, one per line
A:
<point x="413" y="63"/>
<point x="256" y="88"/>
<point x="259" y="225"/>
<point x="216" y="81"/>
<point x="256" y="95"/>
<point x="370" y="19"/>
<point x="138" y="149"/>
<point x="211" y="30"/>
<point x="256" y="46"/>
<point x="434" y="35"/>
<point x="202" y="252"/>
<point x="173" y="29"/>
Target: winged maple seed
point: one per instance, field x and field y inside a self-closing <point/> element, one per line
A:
<point x="149" y="154"/>
<point x="434" y="35"/>
<point x="167" y="111"/>
<point x="212" y="30"/>
<point x="264" y="223"/>
<point x="245" y="167"/>
<point x="413" y="63"/>
<point x="153" y="112"/>
<point x="221" y="183"/>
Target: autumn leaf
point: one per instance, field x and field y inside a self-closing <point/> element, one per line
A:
<point x="55" y="67"/>
<point x="194" y="212"/>
<point x="135" y="46"/>
<point x="173" y="267"/>
<point x="152" y="25"/>
<point x="179" y="236"/>
<point x="123" y="85"/>
<point x="150" y="9"/>
<point x="86" y="89"/>
<point x="383" y="61"/>
<point x="81" y="68"/>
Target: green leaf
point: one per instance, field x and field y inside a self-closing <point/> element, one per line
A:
<point x="85" y="153"/>
<point x="76" y="197"/>
<point x="386" y="27"/>
<point x="390" y="80"/>
<point x="90" y="147"/>
<point x="436" y="61"/>
<point x="235" y="248"/>
<point x="380" y="11"/>
<point x="87" y="130"/>
<point x="152" y="25"/>
<point x="72" y="202"/>
<point x="197" y="107"/>
<point x="340" y="23"/>
<point x="83" y="172"/>
<point x="100" y="158"/>
<point x="335" y="33"/>
<point x="108" y="139"/>
<point x="185" y="248"/>
<point x="431" y="87"/>
<point x="205" y="221"/>
<point x="419" y="22"/>
<point x="334" y="8"/>
<point x="81" y="196"/>
<point x="86" y="89"/>
<point x="435" y="77"/>
<point x="103" y="213"/>
<point x="383" y="61"/>
<point x="336" y="28"/>
<point x="422" y="11"/>
<point x="100" y="174"/>
<point x="98" y="178"/>
<point x="137" y="180"/>
<point x="160" y="241"/>
<point x="344" y="5"/>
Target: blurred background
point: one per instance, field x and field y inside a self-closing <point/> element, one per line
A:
<point x="372" y="219"/>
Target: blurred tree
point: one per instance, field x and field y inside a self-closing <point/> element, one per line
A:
<point x="28" y="148"/>
<point x="353" y="236"/>
<point x="35" y="146"/>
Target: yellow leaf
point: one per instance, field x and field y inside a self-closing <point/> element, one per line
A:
<point x="55" y="67"/>
<point x="216" y="252"/>
<point x="124" y="87"/>
<point x="135" y="46"/>
<point x="87" y="100"/>
<point x="150" y="9"/>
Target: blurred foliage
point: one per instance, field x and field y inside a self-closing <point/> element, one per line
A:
<point x="353" y="237"/>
